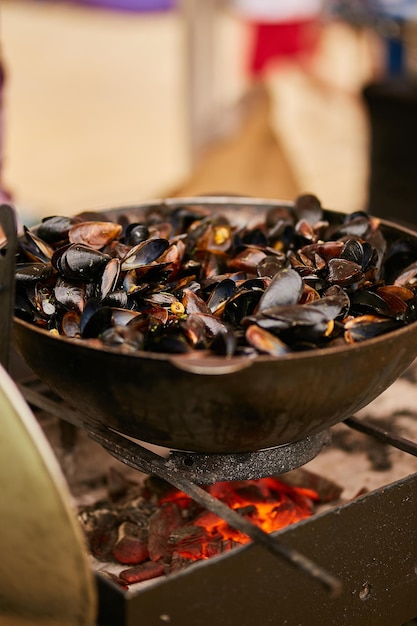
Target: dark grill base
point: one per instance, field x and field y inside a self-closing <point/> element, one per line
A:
<point x="371" y="544"/>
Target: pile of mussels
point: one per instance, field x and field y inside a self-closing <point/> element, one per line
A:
<point x="186" y="278"/>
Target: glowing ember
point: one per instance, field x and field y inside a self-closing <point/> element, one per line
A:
<point x="155" y="529"/>
<point x="267" y="502"/>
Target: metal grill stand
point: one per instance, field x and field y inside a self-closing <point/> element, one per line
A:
<point x="369" y="544"/>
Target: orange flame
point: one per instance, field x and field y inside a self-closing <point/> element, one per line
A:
<point x="267" y="503"/>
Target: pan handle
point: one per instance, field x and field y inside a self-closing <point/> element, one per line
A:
<point x="210" y="365"/>
<point x="8" y="238"/>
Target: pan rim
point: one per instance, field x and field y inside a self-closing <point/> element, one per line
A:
<point x="302" y="355"/>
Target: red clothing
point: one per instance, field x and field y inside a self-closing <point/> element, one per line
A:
<point x="274" y="42"/>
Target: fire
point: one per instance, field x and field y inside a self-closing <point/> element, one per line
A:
<point x="153" y="529"/>
<point x="268" y="503"/>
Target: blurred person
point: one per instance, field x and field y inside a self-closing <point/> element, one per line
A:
<point x="395" y="18"/>
<point x="282" y="30"/>
<point x="4" y="195"/>
<point x="387" y="20"/>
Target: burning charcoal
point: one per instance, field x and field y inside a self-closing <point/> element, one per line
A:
<point x="208" y="520"/>
<point x="326" y="489"/>
<point x="173" y="531"/>
<point x="161" y="525"/>
<point x="180" y="562"/>
<point x="138" y="513"/>
<point x="189" y="540"/>
<point x="216" y="546"/>
<point x="131" y="546"/>
<point x="142" y="572"/>
<point x="101" y="542"/>
<point x="100" y="527"/>
<point x="247" y="511"/>
<point x="210" y="547"/>
<point x="156" y="486"/>
<point x="285" y="513"/>
<point x="228" y="544"/>
<point x="250" y="492"/>
<point x="115" y="579"/>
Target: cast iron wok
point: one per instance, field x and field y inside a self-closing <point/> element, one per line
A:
<point x="219" y="404"/>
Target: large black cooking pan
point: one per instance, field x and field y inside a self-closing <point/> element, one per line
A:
<point x="219" y="404"/>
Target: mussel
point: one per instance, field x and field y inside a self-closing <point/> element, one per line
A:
<point x="185" y="279"/>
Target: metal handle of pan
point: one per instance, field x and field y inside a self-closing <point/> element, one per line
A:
<point x="8" y="239"/>
<point x="210" y="365"/>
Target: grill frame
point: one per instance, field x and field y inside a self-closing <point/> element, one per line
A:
<point x="356" y="541"/>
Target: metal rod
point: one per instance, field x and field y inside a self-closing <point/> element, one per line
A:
<point x="406" y="445"/>
<point x="37" y="396"/>
<point x="145" y="460"/>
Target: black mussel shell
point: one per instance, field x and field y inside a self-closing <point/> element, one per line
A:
<point x="270" y="265"/>
<point x="125" y="338"/>
<point x="95" y="319"/>
<point x="168" y="338"/>
<point x="110" y="277"/>
<point x="344" y="272"/>
<point x="220" y="295"/>
<point x="72" y="295"/>
<point x="368" y="326"/>
<point x="285" y="288"/>
<point x="366" y="301"/>
<point x="265" y="342"/>
<point x="282" y="317"/>
<point x="71" y="324"/>
<point x="136" y="233"/>
<point x="55" y="228"/>
<point x="308" y="207"/>
<point x="144" y="253"/>
<point x="79" y="262"/>
<point x="32" y="272"/>
<point x="242" y="304"/>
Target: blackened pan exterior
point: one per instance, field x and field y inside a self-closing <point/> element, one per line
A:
<point x="218" y="405"/>
<point x="270" y="402"/>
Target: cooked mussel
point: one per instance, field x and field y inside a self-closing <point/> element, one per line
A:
<point x="78" y="261"/>
<point x="185" y="279"/>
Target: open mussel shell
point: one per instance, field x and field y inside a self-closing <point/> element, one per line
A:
<point x="265" y="342"/>
<point x="70" y="294"/>
<point x="95" y="234"/>
<point x="110" y="276"/>
<point x="144" y="253"/>
<point x="218" y="398"/>
<point x="367" y="327"/>
<point x="78" y="261"/>
<point x="285" y="289"/>
<point x="35" y="248"/>
<point x="308" y="207"/>
<point x="32" y="272"/>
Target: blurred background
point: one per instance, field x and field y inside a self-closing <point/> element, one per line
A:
<point x="113" y="102"/>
